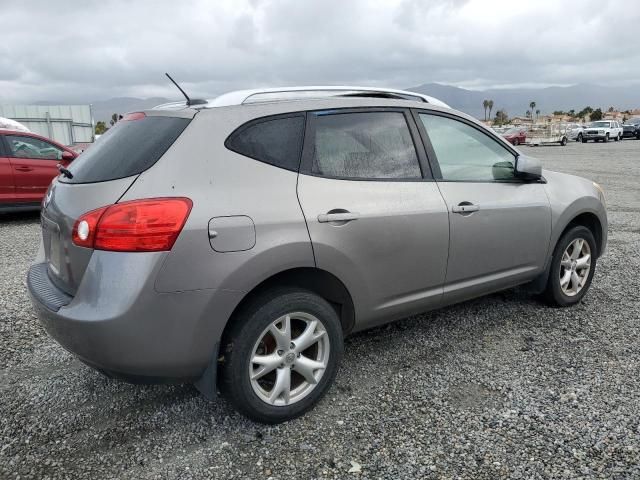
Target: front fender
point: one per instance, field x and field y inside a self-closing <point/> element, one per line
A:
<point x="569" y="197"/>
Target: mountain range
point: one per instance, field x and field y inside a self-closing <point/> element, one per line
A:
<point x="514" y="100"/>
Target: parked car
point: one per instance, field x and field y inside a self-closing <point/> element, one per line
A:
<point x="602" y="130"/>
<point x="631" y="128"/>
<point x="234" y="243"/>
<point x="574" y="131"/>
<point x="28" y="163"/>
<point x="516" y="135"/>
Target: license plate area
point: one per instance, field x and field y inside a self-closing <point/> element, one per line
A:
<point x="52" y="247"/>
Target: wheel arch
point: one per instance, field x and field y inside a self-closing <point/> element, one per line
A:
<point x="314" y="279"/>
<point x="592" y="222"/>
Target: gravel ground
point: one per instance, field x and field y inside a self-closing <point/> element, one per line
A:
<point x="497" y="387"/>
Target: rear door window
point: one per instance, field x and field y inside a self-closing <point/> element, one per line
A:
<point x="128" y="148"/>
<point x="276" y="141"/>
<point x="364" y="145"/>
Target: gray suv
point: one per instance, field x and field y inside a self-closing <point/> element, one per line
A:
<point x="234" y="243"/>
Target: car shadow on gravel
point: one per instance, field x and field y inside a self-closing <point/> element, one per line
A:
<point x="19" y="217"/>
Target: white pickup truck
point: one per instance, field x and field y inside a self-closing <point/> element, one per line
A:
<point x="604" y="130"/>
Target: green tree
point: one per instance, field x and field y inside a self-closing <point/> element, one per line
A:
<point x="114" y="119"/>
<point x="596" y="114"/>
<point x="537" y="114"/>
<point x="558" y="112"/>
<point x="611" y="109"/>
<point x="485" y="104"/>
<point x="532" y="106"/>
<point x="490" y="105"/>
<point x="501" y="118"/>
<point x="585" y="111"/>
<point x="101" y="128"/>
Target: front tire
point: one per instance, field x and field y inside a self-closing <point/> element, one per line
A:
<point x="563" y="142"/>
<point x="281" y="355"/>
<point x="606" y="138"/>
<point x="579" y="139"/>
<point x="572" y="267"/>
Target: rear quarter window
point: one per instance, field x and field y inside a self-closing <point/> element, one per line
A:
<point x="128" y="148"/>
<point x="276" y="141"/>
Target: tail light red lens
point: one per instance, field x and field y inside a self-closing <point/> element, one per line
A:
<point x="149" y="225"/>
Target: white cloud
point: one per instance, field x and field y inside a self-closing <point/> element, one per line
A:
<point x="82" y="51"/>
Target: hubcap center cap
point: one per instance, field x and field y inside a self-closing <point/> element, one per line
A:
<point x="290" y="358"/>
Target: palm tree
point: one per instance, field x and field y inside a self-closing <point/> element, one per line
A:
<point x="490" y="105"/>
<point x="528" y="114"/>
<point x="532" y="105"/>
<point x="485" y="104"/>
<point x="537" y="114"/>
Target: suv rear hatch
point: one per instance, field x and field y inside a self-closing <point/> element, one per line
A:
<point x="100" y="176"/>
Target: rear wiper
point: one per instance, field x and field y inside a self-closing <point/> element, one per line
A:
<point x="65" y="172"/>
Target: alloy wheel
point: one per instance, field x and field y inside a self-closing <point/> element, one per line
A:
<point x="575" y="267"/>
<point x="289" y="359"/>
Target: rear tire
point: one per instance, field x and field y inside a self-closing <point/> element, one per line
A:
<point x="568" y="282"/>
<point x="516" y="142"/>
<point x="584" y="140"/>
<point x="296" y="377"/>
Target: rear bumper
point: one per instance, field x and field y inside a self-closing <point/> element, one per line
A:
<point x="119" y="324"/>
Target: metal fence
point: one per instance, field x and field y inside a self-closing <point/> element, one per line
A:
<point x="66" y="124"/>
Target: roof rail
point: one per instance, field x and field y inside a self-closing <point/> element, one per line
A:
<point x="243" y="97"/>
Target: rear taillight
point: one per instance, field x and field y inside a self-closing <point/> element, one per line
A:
<point x="149" y="225"/>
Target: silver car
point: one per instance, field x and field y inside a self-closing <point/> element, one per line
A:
<point x="574" y="131"/>
<point x="234" y="243"/>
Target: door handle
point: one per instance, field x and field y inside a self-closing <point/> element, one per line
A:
<point x="465" y="208"/>
<point x="338" y="217"/>
<point x="24" y="169"/>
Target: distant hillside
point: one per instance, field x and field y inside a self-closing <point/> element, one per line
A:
<point x="103" y="109"/>
<point x="516" y="101"/>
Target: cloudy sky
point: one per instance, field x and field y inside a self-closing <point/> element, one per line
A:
<point x="89" y="50"/>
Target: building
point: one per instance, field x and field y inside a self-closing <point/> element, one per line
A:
<point x="66" y="124"/>
<point x="520" y="120"/>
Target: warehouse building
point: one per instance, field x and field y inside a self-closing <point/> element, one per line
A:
<point x="66" y="124"/>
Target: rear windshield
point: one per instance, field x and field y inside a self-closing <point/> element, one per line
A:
<point x="128" y="148"/>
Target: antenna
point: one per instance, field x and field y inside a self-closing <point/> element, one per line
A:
<point x="181" y="90"/>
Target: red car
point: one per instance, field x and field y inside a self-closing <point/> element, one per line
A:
<point x="28" y="163"/>
<point x="515" y="136"/>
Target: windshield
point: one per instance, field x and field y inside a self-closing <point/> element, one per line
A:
<point x="633" y="121"/>
<point x="511" y="131"/>
<point x="601" y="124"/>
